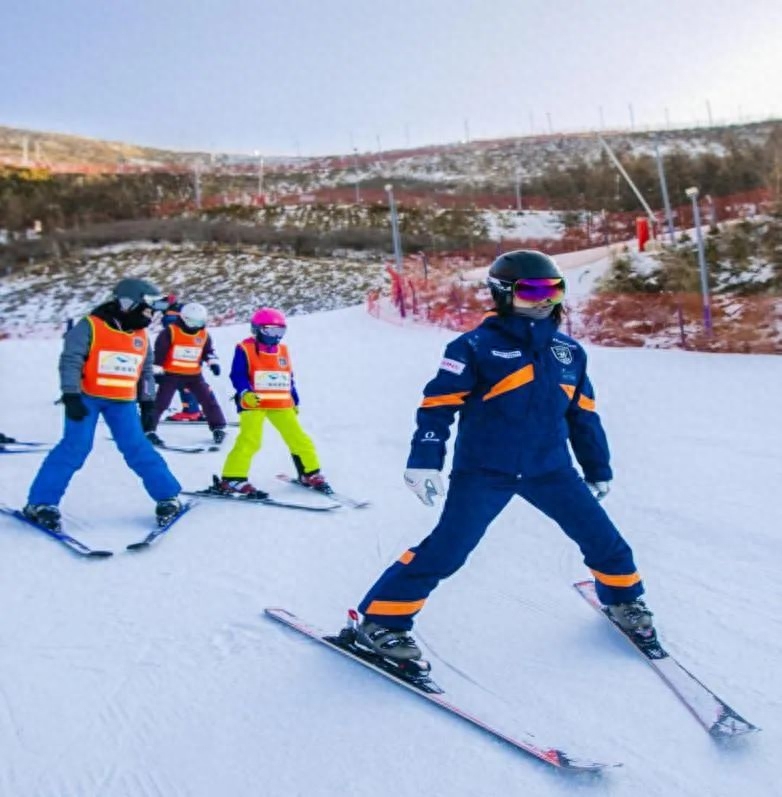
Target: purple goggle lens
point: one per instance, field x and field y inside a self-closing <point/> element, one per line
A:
<point x="534" y="291"/>
<point x="272" y="331"/>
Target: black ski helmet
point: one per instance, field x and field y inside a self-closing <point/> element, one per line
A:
<point x="132" y="292"/>
<point x="512" y="266"/>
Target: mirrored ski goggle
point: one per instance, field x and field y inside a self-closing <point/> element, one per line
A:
<point x="156" y="303"/>
<point x="273" y="331"/>
<point x="530" y="292"/>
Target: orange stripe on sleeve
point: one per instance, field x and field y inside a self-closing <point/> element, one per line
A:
<point x="406" y="558"/>
<point x="586" y="403"/>
<point x="395" y="607"/>
<point x="617" y="581"/>
<point x="512" y="381"/>
<point x="570" y="390"/>
<point x="449" y="399"/>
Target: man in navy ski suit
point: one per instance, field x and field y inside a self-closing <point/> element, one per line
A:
<point x="522" y="392"/>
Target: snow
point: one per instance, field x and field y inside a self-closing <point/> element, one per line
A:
<point x="155" y="674"/>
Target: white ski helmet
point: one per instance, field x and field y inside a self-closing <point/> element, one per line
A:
<point x="193" y="315"/>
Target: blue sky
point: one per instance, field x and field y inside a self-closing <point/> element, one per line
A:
<point x="324" y="76"/>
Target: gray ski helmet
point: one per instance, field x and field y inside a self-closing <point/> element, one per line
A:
<point x="519" y="264"/>
<point x="132" y="292"/>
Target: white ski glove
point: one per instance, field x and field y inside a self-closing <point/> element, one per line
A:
<point x="599" y="489"/>
<point x="426" y="483"/>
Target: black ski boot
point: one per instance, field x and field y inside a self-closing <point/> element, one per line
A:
<point x="155" y="440"/>
<point x="167" y="509"/>
<point x="218" y="435"/>
<point x="45" y="515"/>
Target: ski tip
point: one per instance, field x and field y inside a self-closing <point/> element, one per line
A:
<point x="100" y="554"/>
<point x="137" y="546"/>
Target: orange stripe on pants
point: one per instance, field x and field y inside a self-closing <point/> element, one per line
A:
<point x="395" y="607"/>
<point x="617" y="581"/>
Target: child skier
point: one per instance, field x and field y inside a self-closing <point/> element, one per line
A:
<point x="180" y="350"/>
<point x="522" y="392"/>
<point x="263" y="377"/>
<point x="191" y="410"/>
<point x="105" y="368"/>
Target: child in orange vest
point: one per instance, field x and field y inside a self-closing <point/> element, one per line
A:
<point x="106" y="370"/>
<point x="263" y="377"/>
<point x="180" y="350"/>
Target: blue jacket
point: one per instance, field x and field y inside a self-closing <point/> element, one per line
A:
<point x="521" y="390"/>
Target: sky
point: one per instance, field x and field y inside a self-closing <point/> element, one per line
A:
<point x="156" y="674"/>
<point x="310" y="77"/>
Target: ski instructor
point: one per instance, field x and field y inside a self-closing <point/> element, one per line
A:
<point x="105" y="369"/>
<point x="521" y="389"/>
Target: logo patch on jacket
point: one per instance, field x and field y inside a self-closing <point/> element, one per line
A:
<point x="454" y="366"/>
<point x="283" y="362"/>
<point x="138" y="343"/>
<point x="506" y="355"/>
<point x="563" y="354"/>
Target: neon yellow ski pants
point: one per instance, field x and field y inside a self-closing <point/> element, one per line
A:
<point x="248" y="442"/>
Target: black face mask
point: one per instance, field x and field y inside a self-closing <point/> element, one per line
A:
<point x="139" y="317"/>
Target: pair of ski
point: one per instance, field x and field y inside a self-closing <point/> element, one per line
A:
<point x="713" y="714"/>
<point x="82" y="549"/>
<point x="336" y="500"/>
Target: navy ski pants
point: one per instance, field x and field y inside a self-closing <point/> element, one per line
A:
<point x="71" y="452"/>
<point x="474" y="499"/>
<point x="198" y="388"/>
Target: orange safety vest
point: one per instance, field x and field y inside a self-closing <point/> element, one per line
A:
<point x="114" y="363"/>
<point x="271" y="375"/>
<point x="185" y="352"/>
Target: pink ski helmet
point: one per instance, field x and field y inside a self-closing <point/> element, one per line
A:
<point x="268" y="325"/>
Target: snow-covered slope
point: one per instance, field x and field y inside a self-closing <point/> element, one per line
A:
<point x="155" y="675"/>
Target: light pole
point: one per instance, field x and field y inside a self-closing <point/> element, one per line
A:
<point x="197" y="184"/>
<point x="260" y="178"/>
<point x="692" y="193"/>
<point x="518" y="191"/>
<point x="355" y="169"/>
<point x="664" y="191"/>
<point x="396" y="240"/>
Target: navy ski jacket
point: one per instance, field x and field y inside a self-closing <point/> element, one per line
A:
<point x="521" y="390"/>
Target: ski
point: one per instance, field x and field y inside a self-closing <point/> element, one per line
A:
<point x="716" y="716"/>
<point x="340" y="498"/>
<point x="158" y="530"/>
<point x="268" y="501"/>
<point x="181" y="449"/>
<point x="24" y="448"/>
<point x="69" y="542"/>
<point x="420" y="684"/>
<point x="169" y="422"/>
<point x="188" y="449"/>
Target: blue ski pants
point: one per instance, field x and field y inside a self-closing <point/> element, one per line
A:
<point x="474" y="499"/>
<point x="71" y="452"/>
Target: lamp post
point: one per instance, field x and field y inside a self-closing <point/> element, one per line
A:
<point x="396" y="240"/>
<point x="258" y="155"/>
<point x="518" y="191"/>
<point x="692" y="193"/>
<point x="355" y="169"/>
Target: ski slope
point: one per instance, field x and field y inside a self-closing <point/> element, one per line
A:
<point x="155" y="674"/>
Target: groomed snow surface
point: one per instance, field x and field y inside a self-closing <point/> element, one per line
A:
<point x="155" y="674"/>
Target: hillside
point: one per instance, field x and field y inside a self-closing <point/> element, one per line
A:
<point x="475" y="165"/>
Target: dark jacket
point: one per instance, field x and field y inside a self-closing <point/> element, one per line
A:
<point x="521" y="390"/>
